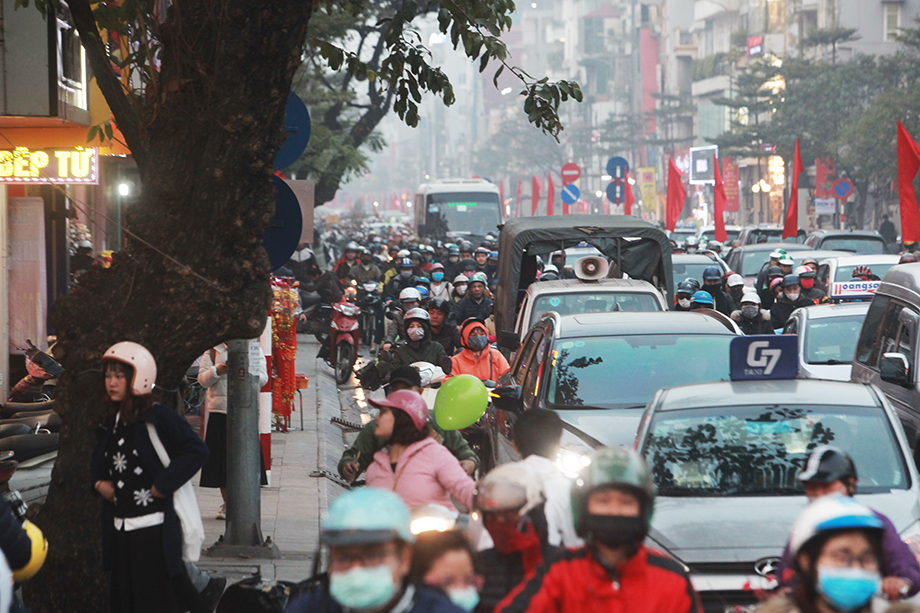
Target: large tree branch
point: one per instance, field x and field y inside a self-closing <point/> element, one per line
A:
<point x="126" y="117"/>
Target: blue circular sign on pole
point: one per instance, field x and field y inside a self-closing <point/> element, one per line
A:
<point x="297" y="125"/>
<point x="283" y="232"/>
<point x="843" y="188"/>
<point x="616" y="192"/>
<point x="570" y="194"/>
<point x="617" y="167"/>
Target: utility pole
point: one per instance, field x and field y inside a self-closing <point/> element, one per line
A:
<point x="243" y="535"/>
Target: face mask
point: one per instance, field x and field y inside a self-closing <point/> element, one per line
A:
<point x="684" y="302"/>
<point x="468" y="273"/>
<point x="453" y="258"/>
<point x="792" y="296"/>
<point x="461" y="289"/>
<point x="478" y="343"/>
<point x="405" y="274"/>
<point x="808" y="283"/>
<point x="466" y="598"/>
<point x="437" y="277"/>
<point x="615" y="530"/>
<point x="415" y="334"/>
<point x="847" y="589"/>
<point x="736" y="292"/>
<point x="363" y="588"/>
<point x="750" y="311"/>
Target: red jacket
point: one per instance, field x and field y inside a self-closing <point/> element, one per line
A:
<point x="649" y="582"/>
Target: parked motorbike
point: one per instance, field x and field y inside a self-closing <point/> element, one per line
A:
<point x="369" y="302"/>
<point x="344" y="336"/>
<point x="31" y="437"/>
<point x="41" y="382"/>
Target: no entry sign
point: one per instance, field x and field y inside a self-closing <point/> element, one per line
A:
<point x="570" y="173"/>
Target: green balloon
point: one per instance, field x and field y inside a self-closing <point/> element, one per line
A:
<point x="460" y="402"/>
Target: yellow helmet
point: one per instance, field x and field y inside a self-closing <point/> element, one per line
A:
<point x="39" y="553"/>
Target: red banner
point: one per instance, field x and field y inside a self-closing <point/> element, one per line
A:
<point x="825" y="171"/>
<point x="791" y="223"/>
<point x="550" y="195"/>
<point x="908" y="173"/>
<point x="535" y="197"/>
<point x="718" y="206"/>
<point x="730" y="177"/>
<point x="677" y="195"/>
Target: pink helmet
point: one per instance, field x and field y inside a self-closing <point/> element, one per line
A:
<point x="408" y="401"/>
<point x="137" y="356"/>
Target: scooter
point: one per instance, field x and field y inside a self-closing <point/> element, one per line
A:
<point x="41" y="382"/>
<point x="32" y="437"/>
<point x="344" y="336"/>
<point x="369" y="301"/>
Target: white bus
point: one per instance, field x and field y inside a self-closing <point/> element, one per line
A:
<point x="457" y="209"/>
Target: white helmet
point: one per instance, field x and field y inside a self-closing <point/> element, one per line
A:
<point x="751" y="296"/>
<point x="735" y="280"/>
<point x="141" y="360"/>
<point x="833" y="512"/>
<point x="410" y="294"/>
<point x="550" y="268"/>
<point x="801" y="270"/>
<point x="402" y="253"/>
<point x="508" y="487"/>
<point x="461" y="278"/>
<point x="417" y="313"/>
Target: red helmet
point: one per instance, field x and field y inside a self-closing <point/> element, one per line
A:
<point x="408" y="401"/>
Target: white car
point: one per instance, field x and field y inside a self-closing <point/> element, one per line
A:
<point x="836" y="273"/>
<point x="827" y="338"/>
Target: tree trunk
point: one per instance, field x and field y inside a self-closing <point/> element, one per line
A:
<point x="211" y="128"/>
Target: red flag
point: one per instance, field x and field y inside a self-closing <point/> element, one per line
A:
<point x="824" y="170"/>
<point x="791" y="225"/>
<point x="677" y="195"/>
<point x="628" y="197"/>
<point x="718" y="204"/>
<point x="908" y="166"/>
<point x="501" y="194"/>
<point x="517" y="201"/>
<point x="550" y="194"/>
<point x="535" y="197"/>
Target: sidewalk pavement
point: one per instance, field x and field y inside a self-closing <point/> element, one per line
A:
<point x="295" y="501"/>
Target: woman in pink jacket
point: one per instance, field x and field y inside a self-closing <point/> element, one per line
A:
<point x="414" y="465"/>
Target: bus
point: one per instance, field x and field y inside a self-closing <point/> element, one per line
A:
<point x="457" y="209"/>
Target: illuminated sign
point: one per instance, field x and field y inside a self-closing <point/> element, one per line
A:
<point x="77" y="165"/>
<point x="755" y="45"/>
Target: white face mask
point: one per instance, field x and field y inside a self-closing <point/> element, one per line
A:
<point x="684" y="302"/>
<point x="792" y="296"/>
<point x="461" y="289"/>
<point x="416" y="334"/>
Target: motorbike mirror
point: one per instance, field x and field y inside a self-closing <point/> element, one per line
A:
<point x="507" y="398"/>
<point x="391" y="314"/>
<point x="509" y="340"/>
<point x="489" y="383"/>
<point x="446" y="365"/>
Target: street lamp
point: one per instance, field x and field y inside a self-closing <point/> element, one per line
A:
<point x="124" y="189"/>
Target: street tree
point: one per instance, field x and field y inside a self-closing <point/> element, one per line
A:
<point x="201" y="107"/>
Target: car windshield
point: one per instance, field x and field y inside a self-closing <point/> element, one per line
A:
<point x="864" y="245"/>
<point x="766" y="235"/>
<point x="679" y="235"/>
<point x="475" y="213"/>
<point x="752" y="262"/>
<point x="592" y="302"/>
<point x="845" y="273"/>
<point x="682" y="270"/>
<point x="832" y="340"/>
<point x="759" y="450"/>
<point x="711" y="235"/>
<point x="625" y="371"/>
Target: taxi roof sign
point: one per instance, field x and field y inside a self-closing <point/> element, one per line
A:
<point x="764" y="357"/>
<point x="853" y="289"/>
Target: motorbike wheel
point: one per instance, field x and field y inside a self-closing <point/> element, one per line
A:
<point x="367" y="331"/>
<point x="344" y="362"/>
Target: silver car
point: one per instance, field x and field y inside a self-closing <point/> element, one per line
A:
<point x="827" y="338"/>
<point x="725" y="456"/>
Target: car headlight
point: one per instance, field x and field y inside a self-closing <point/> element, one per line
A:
<point x="911" y="536"/>
<point x="572" y="458"/>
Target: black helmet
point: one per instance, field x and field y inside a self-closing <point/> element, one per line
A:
<point x="453" y="251"/>
<point x="774" y="271"/>
<point x="467" y="264"/>
<point x="466" y="247"/>
<point x="827" y="464"/>
<point x="415" y="255"/>
<point x="439" y="304"/>
<point x="790" y="280"/>
<point x="688" y="286"/>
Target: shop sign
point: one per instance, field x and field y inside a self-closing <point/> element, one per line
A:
<point x="78" y="165"/>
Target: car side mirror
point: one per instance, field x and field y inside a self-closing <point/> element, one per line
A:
<point x="895" y="369"/>
<point x="507" y="398"/>
<point x="509" y="340"/>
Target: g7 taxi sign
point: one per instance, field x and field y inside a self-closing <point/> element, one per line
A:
<point x="764" y="357"/>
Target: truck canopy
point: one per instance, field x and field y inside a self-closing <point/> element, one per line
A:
<point x="634" y="247"/>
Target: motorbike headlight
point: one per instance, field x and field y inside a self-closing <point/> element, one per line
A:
<point x="571" y="459"/>
<point x="348" y="311"/>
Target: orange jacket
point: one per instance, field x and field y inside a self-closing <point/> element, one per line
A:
<point x="489" y="365"/>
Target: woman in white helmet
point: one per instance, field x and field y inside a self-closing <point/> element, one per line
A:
<point x="142" y="539"/>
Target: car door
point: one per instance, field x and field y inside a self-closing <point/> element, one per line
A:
<point x="500" y="422"/>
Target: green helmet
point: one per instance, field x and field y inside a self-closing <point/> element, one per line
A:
<point x="618" y="468"/>
<point x="777" y="254"/>
<point x="367" y="516"/>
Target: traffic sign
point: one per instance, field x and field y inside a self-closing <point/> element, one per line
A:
<point x="570" y="173"/>
<point x="283" y="232"/>
<point x="616" y="192"/>
<point x="617" y="167"/>
<point x="297" y="126"/>
<point x="764" y="357"/>
<point x="843" y="188"/>
<point x="570" y="194"/>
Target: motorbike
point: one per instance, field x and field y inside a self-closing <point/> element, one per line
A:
<point x="41" y="382"/>
<point x="344" y="336"/>
<point x="369" y="301"/>
<point x="31" y="436"/>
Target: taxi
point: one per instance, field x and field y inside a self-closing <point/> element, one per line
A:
<point x="725" y="458"/>
<point x="837" y="275"/>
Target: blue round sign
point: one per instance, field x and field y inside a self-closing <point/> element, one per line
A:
<point x="297" y="126"/>
<point x="616" y="191"/>
<point x="283" y="232"/>
<point x="570" y="194"/>
<point x="617" y="167"/>
<point x="843" y="188"/>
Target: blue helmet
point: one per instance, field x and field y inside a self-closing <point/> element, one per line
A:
<point x="712" y="273"/>
<point x="702" y="297"/>
<point x="367" y="516"/>
<point x="423" y="292"/>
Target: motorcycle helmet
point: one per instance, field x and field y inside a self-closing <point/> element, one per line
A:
<point x="703" y="298"/>
<point x="453" y="252"/>
<point x="751" y="297"/>
<point x="777" y="254"/>
<point x="410" y="294"/>
<point x="786" y="260"/>
<point x="440" y="304"/>
<point x="367" y="516"/>
<point x="509" y="487"/>
<point x="407" y="401"/>
<point x="423" y="292"/>
<point x="352" y="246"/>
<point x="481" y="250"/>
<point x="479" y="278"/>
<point x="712" y="273"/>
<point x="140" y="359"/>
<point x="402" y="253"/>
<point x="461" y="279"/>
<point x="405" y="264"/>
<point x="620" y="468"/>
<point x="774" y="272"/>
<point x="827" y="464"/>
<point x="688" y="286"/>
<point x="830" y="513"/>
<point x="38" y="554"/>
<point x="862" y="271"/>
<point x="734" y="280"/>
<point x="790" y="280"/>
<point x="691" y="241"/>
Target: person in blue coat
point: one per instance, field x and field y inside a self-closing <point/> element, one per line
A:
<point x="142" y="539"/>
<point x="370" y="556"/>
